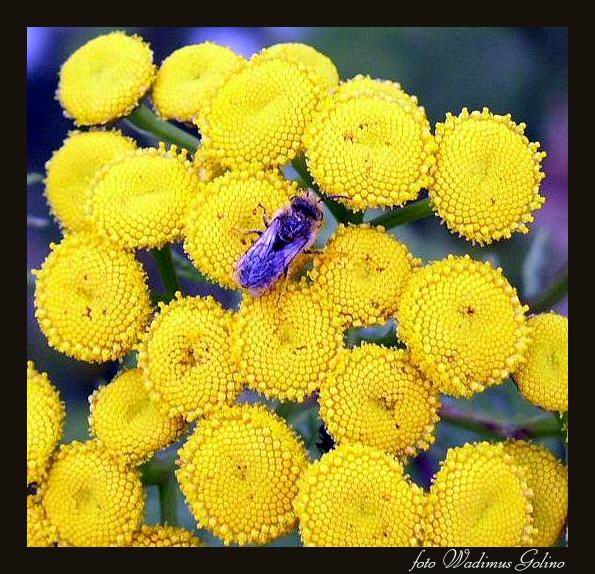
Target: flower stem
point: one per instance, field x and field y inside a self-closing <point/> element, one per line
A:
<point x="412" y="212"/>
<point x="144" y="121"/>
<point x="168" y="501"/>
<point x="166" y="271"/>
<point x="553" y="294"/>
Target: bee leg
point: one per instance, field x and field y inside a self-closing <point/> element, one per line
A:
<point x="255" y="231"/>
<point x="313" y="251"/>
<point x="265" y="216"/>
<point x="283" y="285"/>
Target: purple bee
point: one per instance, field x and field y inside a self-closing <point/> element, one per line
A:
<point x="291" y="231"/>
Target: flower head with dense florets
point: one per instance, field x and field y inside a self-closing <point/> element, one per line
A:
<point x="463" y="324"/>
<point x="40" y="533"/>
<point x="357" y="495"/>
<point x="186" y="359"/>
<point x="239" y="473"/>
<point x="71" y="169"/>
<point x="486" y="177"/>
<point x="92" y="497"/>
<point x="159" y="536"/>
<point x="479" y="498"/>
<point x="91" y="299"/>
<point x="106" y="78"/>
<point x="543" y="377"/>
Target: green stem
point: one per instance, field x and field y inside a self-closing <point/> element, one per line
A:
<point x="143" y="120"/>
<point x="168" y="501"/>
<point x="412" y="212"/>
<point x="166" y="270"/>
<point x="553" y="294"/>
<point x="33" y="178"/>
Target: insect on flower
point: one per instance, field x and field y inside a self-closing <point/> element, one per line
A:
<point x="291" y="231"/>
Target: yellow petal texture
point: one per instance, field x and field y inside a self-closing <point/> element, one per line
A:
<point x="239" y="473"/>
<point x="357" y="495"/>
<point x="547" y="477"/>
<point x="140" y="200"/>
<point x="165" y="536"/>
<point x="322" y="66"/>
<point x="463" y="324"/>
<point x="486" y="177"/>
<point x="186" y="357"/>
<point x="45" y="422"/>
<point x="125" y="420"/>
<point x="261" y="113"/>
<point x="284" y="341"/>
<point x="91" y="299"/>
<point x="370" y="148"/>
<point x="189" y="78"/>
<point x="374" y="395"/>
<point x="40" y="533"/>
<point x="543" y="377"/>
<point x="92" y="496"/>
<point x="221" y="219"/>
<point x="72" y="168"/>
<point x="479" y="498"/>
<point x="105" y="78"/>
<point x="362" y="272"/>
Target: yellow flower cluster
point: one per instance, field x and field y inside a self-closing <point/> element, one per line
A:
<point x="239" y="473"/>
<point x="164" y="537"/>
<point x="357" y="495"/>
<point x="374" y="395"/>
<point x="40" y="533"/>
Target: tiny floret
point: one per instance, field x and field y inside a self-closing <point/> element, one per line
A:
<point x="40" y="533"/>
<point x="164" y="537"/>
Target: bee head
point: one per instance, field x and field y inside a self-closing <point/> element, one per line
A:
<point x="308" y="206"/>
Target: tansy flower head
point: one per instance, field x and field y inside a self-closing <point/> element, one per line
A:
<point x="284" y="340"/>
<point x="239" y="473"/>
<point x="357" y="495"/>
<point x="105" y="79"/>
<point x="71" y="170"/>
<point x="45" y="422"/>
<point x="547" y="477"/>
<point x="91" y="299"/>
<point x="92" y="496"/>
<point x="40" y="532"/>
<point x="189" y="77"/>
<point x="478" y="498"/>
<point x="543" y="377"/>
<point x="186" y="359"/>
<point x="221" y="221"/>
<point x="362" y="272"/>
<point x="140" y="200"/>
<point x="371" y="148"/>
<point x="374" y="396"/>
<point x="125" y="420"/>
<point x="486" y="176"/>
<point x="322" y="66"/>
<point x="164" y="536"/>
<point x="463" y="324"/>
<point x="261" y="113"/>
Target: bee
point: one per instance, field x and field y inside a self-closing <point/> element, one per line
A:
<point x="290" y="232"/>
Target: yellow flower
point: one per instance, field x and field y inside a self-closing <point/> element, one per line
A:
<point x="543" y="377"/>
<point x="239" y="473"/>
<point x="126" y="421"/>
<point x="40" y="532"/>
<point x="165" y="536"/>
<point x="221" y="219"/>
<point x="189" y="78"/>
<point x="479" y="498"/>
<point x="140" y="200"/>
<point x="285" y="340"/>
<point x="91" y="299"/>
<point x="362" y="272"/>
<point x="486" y="177"/>
<point x="322" y="66"/>
<point x="92" y="497"/>
<point x="71" y="170"/>
<point x="374" y="396"/>
<point x="356" y="495"/>
<point x="105" y="79"/>
<point x="547" y="477"/>
<point x="261" y="113"/>
<point x="370" y="148"/>
<point x="206" y="165"/>
<point x="186" y="359"/>
<point x="463" y="324"/>
<point x="45" y="422"/>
